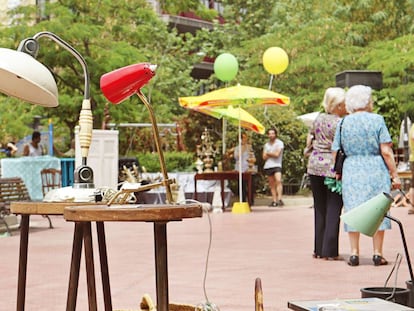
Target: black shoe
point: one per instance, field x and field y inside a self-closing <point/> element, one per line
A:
<point x="353" y="261"/>
<point x="280" y="203"/>
<point x="273" y="204"/>
<point x="379" y="260"/>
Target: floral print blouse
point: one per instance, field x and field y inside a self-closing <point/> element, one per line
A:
<point x="320" y="161"/>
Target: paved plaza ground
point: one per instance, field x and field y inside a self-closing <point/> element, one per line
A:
<point x="274" y="244"/>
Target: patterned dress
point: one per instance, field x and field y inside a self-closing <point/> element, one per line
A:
<point x="320" y="160"/>
<point x="365" y="173"/>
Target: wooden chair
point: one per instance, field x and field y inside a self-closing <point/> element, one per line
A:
<point x="13" y="189"/>
<point x="51" y="179"/>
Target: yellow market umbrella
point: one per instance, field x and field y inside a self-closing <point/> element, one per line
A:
<point x="234" y="115"/>
<point x="239" y="95"/>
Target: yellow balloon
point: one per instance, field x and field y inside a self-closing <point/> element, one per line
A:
<point x="275" y="60"/>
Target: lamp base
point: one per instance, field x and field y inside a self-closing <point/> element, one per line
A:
<point x="240" y="208"/>
<point x="394" y="294"/>
<point x="83" y="185"/>
<point x="83" y="177"/>
<point x="411" y="294"/>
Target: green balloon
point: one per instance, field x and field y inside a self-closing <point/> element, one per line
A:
<point x="226" y="67"/>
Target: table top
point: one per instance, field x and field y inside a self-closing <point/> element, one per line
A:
<point x="133" y="212"/>
<point x="42" y="208"/>
<point x="404" y="174"/>
<point x="361" y="304"/>
<point x="222" y="174"/>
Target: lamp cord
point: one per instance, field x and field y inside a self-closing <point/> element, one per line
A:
<point x="407" y="254"/>
<point x="207" y="306"/>
<point x="395" y="267"/>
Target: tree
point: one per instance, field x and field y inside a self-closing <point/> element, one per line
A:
<point x="321" y="39"/>
<point x="108" y="35"/>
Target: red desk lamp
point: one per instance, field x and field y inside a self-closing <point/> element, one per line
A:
<point x="124" y="82"/>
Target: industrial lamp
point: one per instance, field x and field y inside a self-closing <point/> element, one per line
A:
<point x="23" y="77"/>
<point x="124" y="82"/>
<point x="367" y="217"/>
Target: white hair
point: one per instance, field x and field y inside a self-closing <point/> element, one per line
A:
<point x="332" y="98"/>
<point x="358" y="97"/>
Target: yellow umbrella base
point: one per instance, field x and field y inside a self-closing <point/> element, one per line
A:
<point x="240" y="208"/>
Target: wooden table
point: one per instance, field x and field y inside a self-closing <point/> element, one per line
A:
<point x="361" y="304"/>
<point x="25" y="209"/>
<point x="404" y="174"/>
<point x="405" y="179"/>
<point x="159" y="215"/>
<point x="226" y="175"/>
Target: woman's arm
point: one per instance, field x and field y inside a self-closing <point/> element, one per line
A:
<point x="388" y="156"/>
<point x="26" y="150"/>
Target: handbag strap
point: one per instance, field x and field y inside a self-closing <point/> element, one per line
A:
<point x="340" y="134"/>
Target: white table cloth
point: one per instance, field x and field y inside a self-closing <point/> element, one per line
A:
<point x="185" y="180"/>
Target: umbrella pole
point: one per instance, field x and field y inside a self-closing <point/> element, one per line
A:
<point x="223" y="135"/>
<point x="240" y="164"/>
<point x="240" y="207"/>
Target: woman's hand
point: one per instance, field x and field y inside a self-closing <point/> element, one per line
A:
<point x="396" y="183"/>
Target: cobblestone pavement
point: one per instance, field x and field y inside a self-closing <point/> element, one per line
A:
<point x="274" y="244"/>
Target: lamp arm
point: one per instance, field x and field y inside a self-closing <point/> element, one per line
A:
<point x="167" y="181"/>
<point x="85" y="117"/>
<point x="407" y="255"/>
<point x="74" y="52"/>
<point x="83" y="174"/>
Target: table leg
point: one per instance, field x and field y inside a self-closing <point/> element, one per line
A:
<point x="249" y="189"/>
<point x="90" y="269"/>
<point x="74" y="267"/>
<point x="222" y="194"/>
<point x="161" y="265"/>
<point x="100" y="228"/>
<point x="195" y="189"/>
<point x="24" y="241"/>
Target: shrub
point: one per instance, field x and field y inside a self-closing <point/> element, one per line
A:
<point x="174" y="161"/>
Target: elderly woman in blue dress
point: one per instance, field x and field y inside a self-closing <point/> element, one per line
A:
<point x="369" y="168"/>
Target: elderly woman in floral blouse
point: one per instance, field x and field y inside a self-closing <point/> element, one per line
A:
<point x="327" y="203"/>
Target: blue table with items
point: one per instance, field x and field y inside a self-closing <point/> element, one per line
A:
<point x="28" y="168"/>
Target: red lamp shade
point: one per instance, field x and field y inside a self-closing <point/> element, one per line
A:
<point x="121" y="83"/>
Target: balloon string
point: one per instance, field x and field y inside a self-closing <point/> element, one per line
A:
<point x="265" y="106"/>
<point x="271" y="82"/>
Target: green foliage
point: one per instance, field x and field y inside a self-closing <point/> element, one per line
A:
<point x="174" y="161"/>
<point x="390" y="108"/>
<point x="322" y="38"/>
<point x="108" y="35"/>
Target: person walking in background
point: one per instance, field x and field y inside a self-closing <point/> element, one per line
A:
<point x="273" y="155"/>
<point x="33" y="148"/>
<point x="327" y="204"/>
<point x="245" y="155"/>
<point x="368" y="165"/>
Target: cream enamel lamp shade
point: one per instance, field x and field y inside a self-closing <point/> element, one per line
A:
<point x="23" y="77"/>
